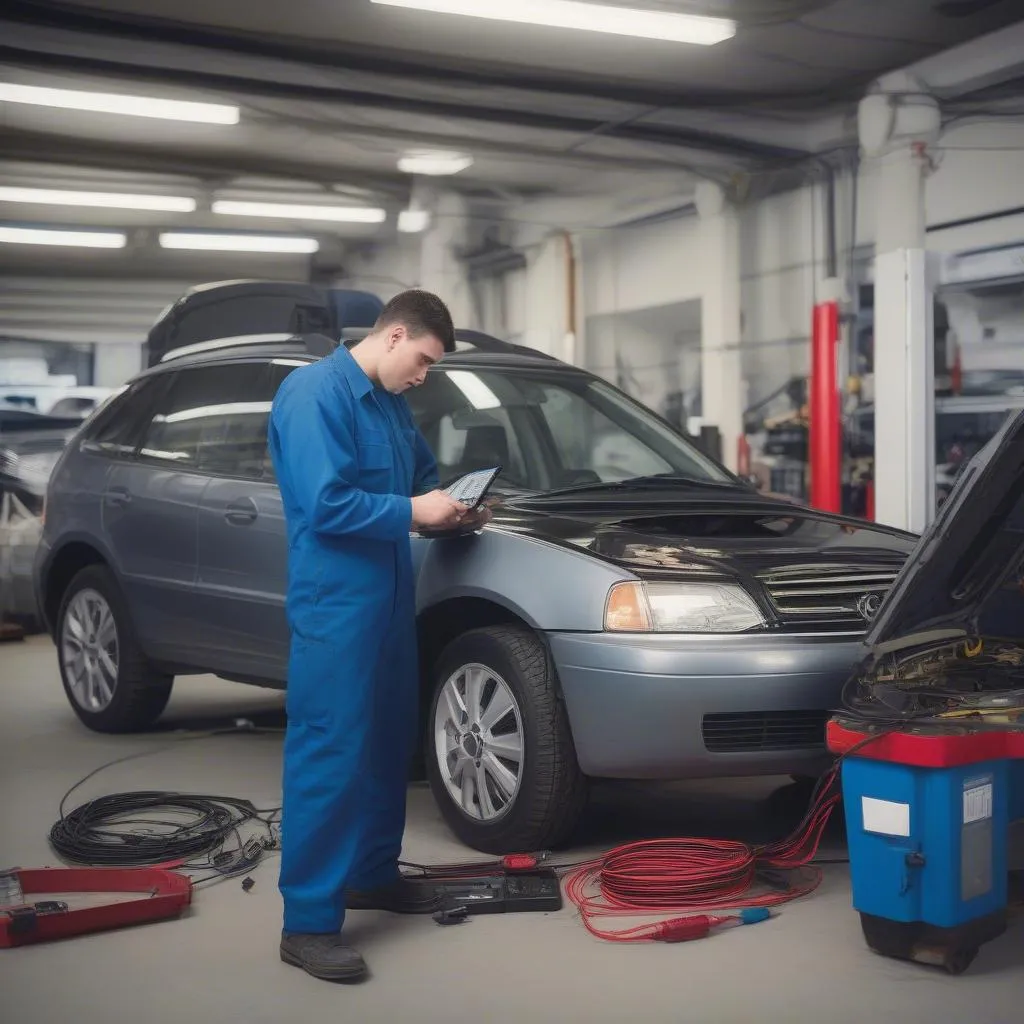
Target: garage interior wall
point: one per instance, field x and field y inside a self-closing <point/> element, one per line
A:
<point x="632" y="272"/>
<point x="109" y="316"/>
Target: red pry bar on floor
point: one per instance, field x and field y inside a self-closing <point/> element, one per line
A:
<point x="162" y="894"/>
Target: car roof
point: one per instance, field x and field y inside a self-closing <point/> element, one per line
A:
<point x="475" y="350"/>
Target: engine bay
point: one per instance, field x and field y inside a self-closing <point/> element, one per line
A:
<point x="978" y="679"/>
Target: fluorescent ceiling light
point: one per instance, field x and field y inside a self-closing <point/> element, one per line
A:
<point x="237" y="243"/>
<point x="411" y="222"/>
<point x="433" y="162"/>
<point x="117" y="103"/>
<point x="291" y="211"/>
<point x="107" y="200"/>
<point x="47" y="236"/>
<point x="586" y="17"/>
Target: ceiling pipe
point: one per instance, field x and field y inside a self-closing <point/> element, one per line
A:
<point x="240" y="86"/>
<point x="370" y="60"/>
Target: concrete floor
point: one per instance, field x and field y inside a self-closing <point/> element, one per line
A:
<point x="220" y="961"/>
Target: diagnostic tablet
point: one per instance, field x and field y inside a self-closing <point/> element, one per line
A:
<point x="472" y="488"/>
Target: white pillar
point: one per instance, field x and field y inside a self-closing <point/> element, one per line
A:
<point x="115" y="362"/>
<point x="897" y="125"/>
<point x="441" y="271"/>
<point x="721" y="376"/>
<point x="548" y="296"/>
<point x="899" y="217"/>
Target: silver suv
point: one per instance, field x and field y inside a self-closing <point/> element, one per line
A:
<point x="633" y="611"/>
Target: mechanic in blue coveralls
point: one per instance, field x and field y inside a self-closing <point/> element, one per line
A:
<point x="356" y="477"/>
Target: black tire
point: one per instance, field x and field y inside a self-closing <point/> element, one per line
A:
<point x="960" y="959"/>
<point x="140" y="692"/>
<point x="552" y="790"/>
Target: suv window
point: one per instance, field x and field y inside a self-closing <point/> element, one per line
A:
<point x="548" y="429"/>
<point x="214" y="419"/>
<point x="116" y="426"/>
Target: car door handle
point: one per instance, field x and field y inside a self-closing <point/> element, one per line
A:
<point x="118" y="497"/>
<point x="241" y="512"/>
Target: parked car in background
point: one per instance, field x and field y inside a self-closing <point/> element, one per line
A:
<point x="55" y="399"/>
<point x="30" y="445"/>
<point x="633" y="610"/>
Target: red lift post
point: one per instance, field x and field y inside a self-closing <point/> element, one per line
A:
<point x="825" y="427"/>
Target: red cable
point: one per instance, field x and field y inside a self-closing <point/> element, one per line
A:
<point x="662" y="876"/>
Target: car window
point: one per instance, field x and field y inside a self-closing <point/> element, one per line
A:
<point x="590" y="442"/>
<point x="116" y="425"/>
<point x="548" y="428"/>
<point x="490" y="440"/>
<point x="214" y="419"/>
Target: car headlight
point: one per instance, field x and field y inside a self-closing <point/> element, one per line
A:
<point x="634" y="607"/>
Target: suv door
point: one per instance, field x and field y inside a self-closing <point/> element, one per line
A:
<point x="243" y="548"/>
<point x="149" y="513"/>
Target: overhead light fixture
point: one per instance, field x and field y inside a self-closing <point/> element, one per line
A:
<point x="48" y="236"/>
<point x="118" y="103"/>
<point x="293" y="211"/>
<point x="412" y="222"/>
<point x="434" y="162"/>
<point x="106" y="200"/>
<point x="586" y="17"/>
<point x="237" y="243"/>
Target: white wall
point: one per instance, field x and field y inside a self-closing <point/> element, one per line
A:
<point x="115" y="309"/>
<point x="651" y="354"/>
<point x="979" y="171"/>
<point x="384" y="269"/>
<point x="536" y="301"/>
<point x="116" y="362"/>
<point x="632" y="268"/>
<point x="782" y="261"/>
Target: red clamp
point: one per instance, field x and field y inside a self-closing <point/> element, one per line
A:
<point x="160" y="894"/>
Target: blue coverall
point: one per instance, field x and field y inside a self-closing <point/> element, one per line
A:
<point x="348" y="457"/>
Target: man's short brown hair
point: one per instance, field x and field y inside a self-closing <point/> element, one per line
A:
<point x="420" y="313"/>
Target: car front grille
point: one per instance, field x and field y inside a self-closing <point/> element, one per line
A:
<point x="752" y="731"/>
<point x="828" y="598"/>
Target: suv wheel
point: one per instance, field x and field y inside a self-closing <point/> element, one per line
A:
<point x="500" y="757"/>
<point x="107" y="679"/>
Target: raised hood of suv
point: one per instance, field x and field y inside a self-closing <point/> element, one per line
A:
<point x="965" y="577"/>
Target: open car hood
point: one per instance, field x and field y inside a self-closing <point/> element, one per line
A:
<point x="965" y="577"/>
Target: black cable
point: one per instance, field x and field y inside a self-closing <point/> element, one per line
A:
<point x="154" y="827"/>
<point x="139" y="828"/>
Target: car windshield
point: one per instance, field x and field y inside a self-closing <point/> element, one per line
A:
<point x="550" y="430"/>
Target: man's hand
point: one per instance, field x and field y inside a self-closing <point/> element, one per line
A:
<point x="436" y="511"/>
<point x="475" y="518"/>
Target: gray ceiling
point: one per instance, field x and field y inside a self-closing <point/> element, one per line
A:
<point x="332" y="91"/>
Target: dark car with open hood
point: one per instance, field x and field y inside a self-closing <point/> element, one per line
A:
<point x="632" y="611"/>
<point x="949" y="639"/>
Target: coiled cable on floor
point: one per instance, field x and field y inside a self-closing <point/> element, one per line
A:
<point x="662" y="876"/>
<point x="222" y="835"/>
<point x="145" y="828"/>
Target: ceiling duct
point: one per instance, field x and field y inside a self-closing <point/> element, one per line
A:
<point x="491" y="259"/>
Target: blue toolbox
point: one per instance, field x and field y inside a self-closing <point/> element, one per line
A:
<point x="928" y="819"/>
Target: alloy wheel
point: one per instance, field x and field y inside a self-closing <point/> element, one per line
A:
<point x="90" y="653"/>
<point x="478" y="742"/>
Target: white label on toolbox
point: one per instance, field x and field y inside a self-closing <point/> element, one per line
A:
<point x="977" y="801"/>
<point x="885" y="816"/>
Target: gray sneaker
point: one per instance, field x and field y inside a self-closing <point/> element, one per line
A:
<point x="324" y="956"/>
